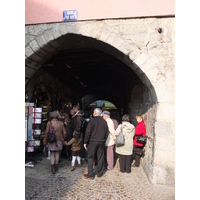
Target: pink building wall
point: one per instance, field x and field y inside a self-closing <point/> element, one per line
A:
<point x="44" y="11"/>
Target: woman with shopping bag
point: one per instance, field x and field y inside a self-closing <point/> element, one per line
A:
<point x="125" y="151"/>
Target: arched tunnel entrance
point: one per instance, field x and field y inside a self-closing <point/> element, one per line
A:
<point x="86" y="67"/>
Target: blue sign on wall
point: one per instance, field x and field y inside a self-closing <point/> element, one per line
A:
<point x="70" y="15"/>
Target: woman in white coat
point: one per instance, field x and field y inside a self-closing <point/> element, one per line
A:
<point x="125" y="151"/>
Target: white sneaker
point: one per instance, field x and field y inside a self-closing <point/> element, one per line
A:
<point x="48" y="158"/>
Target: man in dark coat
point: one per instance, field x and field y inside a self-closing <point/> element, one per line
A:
<point x="95" y="137"/>
<point x="79" y="120"/>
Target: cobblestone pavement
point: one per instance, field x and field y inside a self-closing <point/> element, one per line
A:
<point x="40" y="184"/>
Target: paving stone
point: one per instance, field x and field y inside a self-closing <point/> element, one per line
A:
<point x="40" y="183"/>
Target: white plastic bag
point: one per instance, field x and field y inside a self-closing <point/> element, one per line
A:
<point x="119" y="141"/>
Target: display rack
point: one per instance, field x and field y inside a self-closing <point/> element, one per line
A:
<point x="28" y="130"/>
<point x="33" y="120"/>
<point x="37" y="121"/>
<point x="45" y="118"/>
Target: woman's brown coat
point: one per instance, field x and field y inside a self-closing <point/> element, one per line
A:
<point x="59" y="129"/>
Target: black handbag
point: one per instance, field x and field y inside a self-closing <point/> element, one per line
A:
<point x="141" y="139"/>
<point x="51" y="135"/>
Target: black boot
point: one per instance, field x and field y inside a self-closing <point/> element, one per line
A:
<point x="53" y="169"/>
<point x="56" y="167"/>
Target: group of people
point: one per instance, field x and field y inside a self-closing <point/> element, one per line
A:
<point x="97" y="141"/>
<point x="68" y="131"/>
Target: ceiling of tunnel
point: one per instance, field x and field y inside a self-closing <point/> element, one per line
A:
<point x="87" y="69"/>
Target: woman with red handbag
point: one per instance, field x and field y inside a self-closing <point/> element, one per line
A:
<point x="140" y="130"/>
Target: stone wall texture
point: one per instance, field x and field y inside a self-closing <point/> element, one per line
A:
<point x="147" y="46"/>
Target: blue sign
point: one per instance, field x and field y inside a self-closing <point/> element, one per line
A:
<point x="70" y="15"/>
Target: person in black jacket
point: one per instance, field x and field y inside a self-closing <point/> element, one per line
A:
<point x="79" y="121"/>
<point x="69" y="136"/>
<point x="94" y="142"/>
<point x="78" y="118"/>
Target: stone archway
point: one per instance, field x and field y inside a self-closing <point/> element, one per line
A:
<point x="137" y="43"/>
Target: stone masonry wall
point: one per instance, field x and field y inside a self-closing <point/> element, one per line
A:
<point x="147" y="46"/>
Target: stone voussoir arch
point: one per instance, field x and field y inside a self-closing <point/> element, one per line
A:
<point x="136" y="43"/>
<point x="42" y="41"/>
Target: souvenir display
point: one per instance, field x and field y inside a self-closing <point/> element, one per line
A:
<point x="37" y="115"/>
<point x="37" y="132"/>
<point x="33" y="121"/>
<point x="36" y="143"/>
<point x="30" y="149"/>
<point x="28" y="121"/>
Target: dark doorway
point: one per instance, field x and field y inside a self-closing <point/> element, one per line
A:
<point x="92" y="71"/>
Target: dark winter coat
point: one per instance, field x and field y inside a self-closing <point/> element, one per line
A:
<point x="96" y="131"/>
<point x="78" y="121"/>
<point x="69" y="132"/>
